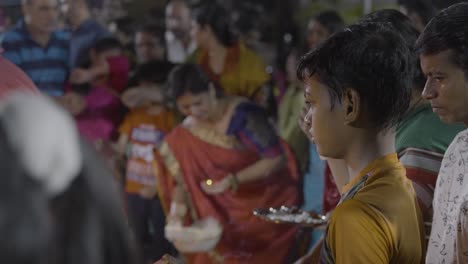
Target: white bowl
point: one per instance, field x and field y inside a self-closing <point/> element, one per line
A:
<point x="202" y="236"/>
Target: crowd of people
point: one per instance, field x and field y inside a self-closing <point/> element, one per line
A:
<point x="161" y="153"/>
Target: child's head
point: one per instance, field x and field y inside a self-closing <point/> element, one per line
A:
<point x="150" y="93"/>
<point x="105" y="48"/>
<point x="357" y="81"/>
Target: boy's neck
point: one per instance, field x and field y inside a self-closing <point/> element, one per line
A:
<point x="366" y="149"/>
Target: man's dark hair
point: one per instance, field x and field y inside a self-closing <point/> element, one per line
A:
<point x="330" y="20"/>
<point x="448" y="30"/>
<point x="371" y="59"/>
<point x="423" y="8"/>
<point x="401" y="24"/>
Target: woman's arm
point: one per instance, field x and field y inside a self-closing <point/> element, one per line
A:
<point x="257" y="171"/>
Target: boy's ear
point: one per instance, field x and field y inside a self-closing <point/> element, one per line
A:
<point x="352" y="107"/>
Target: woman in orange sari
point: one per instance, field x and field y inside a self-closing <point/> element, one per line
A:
<point x="223" y="161"/>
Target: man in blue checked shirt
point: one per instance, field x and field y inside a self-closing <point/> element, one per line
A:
<point x="38" y="48"/>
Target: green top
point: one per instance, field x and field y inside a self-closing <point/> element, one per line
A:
<point x="289" y="112"/>
<point x="423" y="129"/>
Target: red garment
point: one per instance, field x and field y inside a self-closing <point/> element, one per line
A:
<point x="331" y="194"/>
<point x="246" y="239"/>
<point x="13" y="78"/>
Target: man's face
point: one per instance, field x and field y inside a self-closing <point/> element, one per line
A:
<point x="446" y="87"/>
<point x="178" y="20"/>
<point x="41" y="14"/>
<point x="148" y="47"/>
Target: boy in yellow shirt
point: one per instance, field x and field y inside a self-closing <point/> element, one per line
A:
<point x="357" y="87"/>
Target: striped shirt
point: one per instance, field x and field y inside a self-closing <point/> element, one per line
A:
<point x="46" y="66"/>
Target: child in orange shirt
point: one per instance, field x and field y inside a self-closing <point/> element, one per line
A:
<point x="141" y="132"/>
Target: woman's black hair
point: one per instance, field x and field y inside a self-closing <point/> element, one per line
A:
<point x="215" y="16"/>
<point x="187" y="78"/>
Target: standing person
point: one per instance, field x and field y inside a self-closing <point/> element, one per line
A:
<point x="85" y="31"/>
<point x="421" y="137"/>
<point x="443" y="49"/>
<point x="319" y="190"/>
<point x="227" y="61"/>
<point x="101" y="108"/>
<point x="38" y="48"/>
<point x="223" y="161"/>
<point x="179" y="43"/>
<point x="289" y="113"/>
<point x="353" y="119"/>
<point x="141" y="133"/>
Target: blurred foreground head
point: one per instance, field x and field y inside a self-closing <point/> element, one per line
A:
<point x="57" y="203"/>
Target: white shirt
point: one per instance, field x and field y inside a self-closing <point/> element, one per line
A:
<point x="176" y="52"/>
<point x="449" y="236"/>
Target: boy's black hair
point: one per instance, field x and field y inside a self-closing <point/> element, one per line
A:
<point x="108" y="43"/>
<point x="154" y="30"/>
<point x="423" y="8"/>
<point x="401" y="24"/>
<point x="448" y="30"/>
<point x="369" y="58"/>
<point x="153" y="71"/>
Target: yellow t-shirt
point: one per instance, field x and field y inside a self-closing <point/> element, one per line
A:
<point x="381" y="223"/>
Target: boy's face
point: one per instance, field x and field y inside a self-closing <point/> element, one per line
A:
<point x="327" y="125"/>
<point x="446" y="87"/>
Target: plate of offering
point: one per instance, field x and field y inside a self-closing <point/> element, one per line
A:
<point x="291" y="215"/>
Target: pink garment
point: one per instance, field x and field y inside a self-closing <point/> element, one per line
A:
<point x="103" y="111"/>
<point x="13" y="78"/>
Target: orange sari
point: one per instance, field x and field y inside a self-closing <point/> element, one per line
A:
<point x="190" y="156"/>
